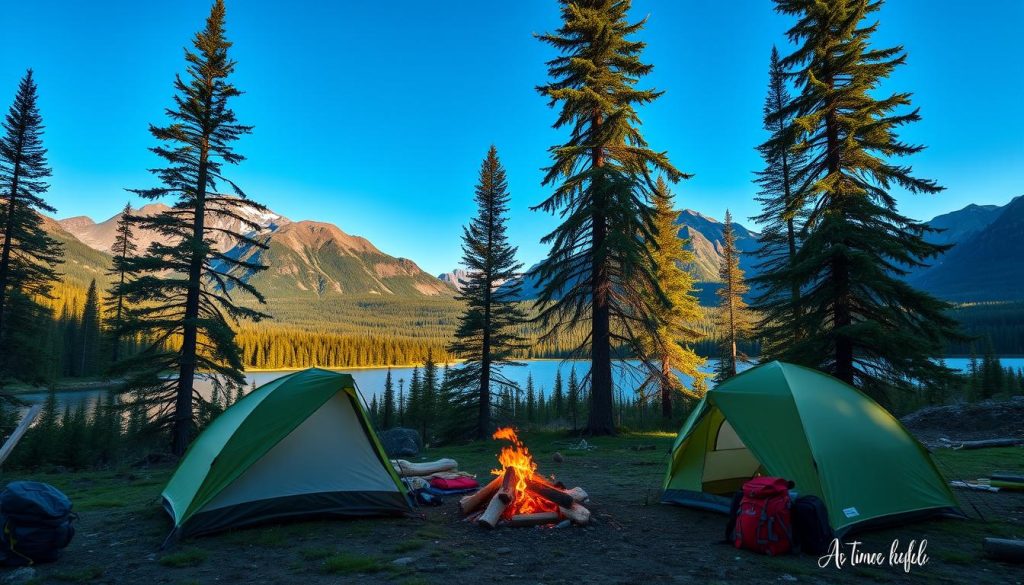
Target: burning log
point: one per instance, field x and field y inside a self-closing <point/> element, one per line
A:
<point x="491" y="515"/>
<point x="576" y="513"/>
<point x="550" y="493"/>
<point x="507" y="491"/>
<point x="473" y="501"/>
<point x="520" y="520"/>
<point x="502" y="498"/>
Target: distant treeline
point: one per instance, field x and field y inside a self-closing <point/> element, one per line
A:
<point x="999" y="325"/>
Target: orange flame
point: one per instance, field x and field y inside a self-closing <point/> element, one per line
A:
<point x="518" y="458"/>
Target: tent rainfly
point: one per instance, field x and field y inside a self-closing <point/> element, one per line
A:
<point x="833" y="441"/>
<point x="300" y="446"/>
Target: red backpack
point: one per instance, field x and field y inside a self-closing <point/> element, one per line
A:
<point x="763" y="522"/>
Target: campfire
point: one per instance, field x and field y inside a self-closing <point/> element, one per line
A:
<point x="518" y="496"/>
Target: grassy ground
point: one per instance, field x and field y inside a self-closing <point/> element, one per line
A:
<point x="634" y="538"/>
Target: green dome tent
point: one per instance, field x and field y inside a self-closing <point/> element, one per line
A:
<point x="789" y="421"/>
<point x="298" y="446"/>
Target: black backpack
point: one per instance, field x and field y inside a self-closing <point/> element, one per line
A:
<point x="36" y="523"/>
<point x="730" y="524"/>
<point x="811" y="530"/>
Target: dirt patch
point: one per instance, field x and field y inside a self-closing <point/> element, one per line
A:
<point x="988" y="419"/>
<point x="634" y="539"/>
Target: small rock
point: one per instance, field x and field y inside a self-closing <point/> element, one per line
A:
<point x="558" y="457"/>
<point x="20" y="576"/>
<point x="403" y="561"/>
<point x="788" y="577"/>
<point x="564" y="524"/>
<point x="503" y="550"/>
<point x="151" y="557"/>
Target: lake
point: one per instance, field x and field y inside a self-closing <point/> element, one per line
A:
<point x="370" y="381"/>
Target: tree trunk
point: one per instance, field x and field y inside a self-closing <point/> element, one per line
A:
<point x="602" y="415"/>
<point x="841" y="312"/>
<point x="666" y="390"/>
<point x="5" y="254"/>
<point x="182" y="432"/>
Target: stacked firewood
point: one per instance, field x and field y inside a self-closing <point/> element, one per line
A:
<point x="495" y="503"/>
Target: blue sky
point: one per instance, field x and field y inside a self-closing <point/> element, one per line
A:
<point x="375" y="115"/>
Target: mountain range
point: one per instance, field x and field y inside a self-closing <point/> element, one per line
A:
<point x="307" y="259"/>
<point x="312" y="260"/>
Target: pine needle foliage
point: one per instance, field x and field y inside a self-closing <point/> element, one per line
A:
<point x="599" y="268"/>
<point x="858" y="317"/>
<point x="783" y="211"/>
<point x="185" y="289"/>
<point x="488" y="331"/>
<point x="28" y="255"/>
<point x="670" y="342"/>
<point x="123" y="249"/>
<point x="734" y="319"/>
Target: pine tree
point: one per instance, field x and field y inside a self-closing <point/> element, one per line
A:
<point x="89" y="338"/>
<point x="388" y="410"/>
<point x="401" y="402"/>
<point x="487" y="334"/>
<point x="558" y="397"/>
<point x="783" y="204"/>
<point x="124" y="249"/>
<point x="858" y="318"/>
<point x="671" y="336"/>
<point x="28" y="255"/>
<point x="573" y="398"/>
<point x="599" y="261"/>
<point x="429" y="395"/>
<point x="733" y="316"/>
<point x="531" y="400"/>
<point x="198" y="307"/>
<point x="414" y="410"/>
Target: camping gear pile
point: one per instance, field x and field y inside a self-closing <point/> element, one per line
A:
<point x="299" y="446"/>
<point x="518" y="496"/>
<point x="832" y="441"/>
<point x="764" y="517"/>
<point x="36" y="523"/>
<point x="993" y="483"/>
<point x="428" y="481"/>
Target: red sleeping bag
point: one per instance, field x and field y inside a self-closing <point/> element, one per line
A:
<point x="457" y="483"/>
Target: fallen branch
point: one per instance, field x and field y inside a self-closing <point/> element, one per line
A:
<point x="1004" y="549"/>
<point x="19" y="432"/>
<point x="984" y="444"/>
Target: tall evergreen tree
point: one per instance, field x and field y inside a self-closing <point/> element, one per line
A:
<point x="401" y="402"/>
<point x="198" y="306"/>
<point x="388" y="410"/>
<point x="488" y="328"/>
<point x="733" y="315"/>
<point x="783" y="207"/>
<point x="429" y="393"/>
<point x="859" y="319"/>
<point x="558" y="397"/>
<point x="599" y="263"/>
<point x="89" y="334"/>
<point x="28" y="255"/>
<point x="573" y="402"/>
<point x="124" y="249"/>
<point x="670" y="338"/>
<point x="531" y="400"/>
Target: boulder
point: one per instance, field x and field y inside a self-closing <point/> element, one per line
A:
<point x="401" y="442"/>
